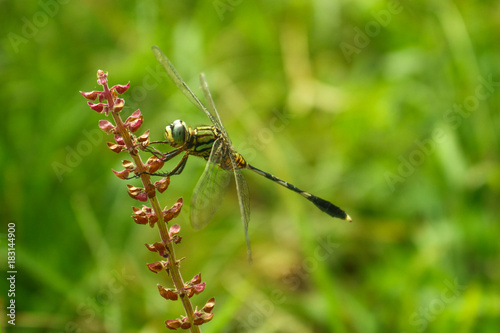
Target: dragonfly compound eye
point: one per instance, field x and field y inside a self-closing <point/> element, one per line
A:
<point x="176" y="133"/>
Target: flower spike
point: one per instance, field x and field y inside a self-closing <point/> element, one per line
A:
<point x="109" y="103"/>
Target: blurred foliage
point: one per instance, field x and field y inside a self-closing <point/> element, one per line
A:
<point x="384" y="108"/>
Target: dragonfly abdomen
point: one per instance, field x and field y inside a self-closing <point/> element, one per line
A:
<point x="240" y="162"/>
<point x="279" y="181"/>
<point x="322" y="204"/>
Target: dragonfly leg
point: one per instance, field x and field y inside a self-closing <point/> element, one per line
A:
<point x="154" y="151"/>
<point x="180" y="166"/>
<point x="165" y="157"/>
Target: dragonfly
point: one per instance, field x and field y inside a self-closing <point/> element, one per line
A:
<point x="223" y="162"/>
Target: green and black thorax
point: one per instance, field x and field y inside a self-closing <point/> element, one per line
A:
<point x="199" y="141"/>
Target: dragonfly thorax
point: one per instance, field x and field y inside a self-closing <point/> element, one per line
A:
<point x="196" y="141"/>
<point x="177" y="133"/>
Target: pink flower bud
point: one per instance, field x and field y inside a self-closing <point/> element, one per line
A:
<point x="134" y="121"/>
<point x="185" y="323"/>
<point x="173" y="233"/>
<point x="101" y="77"/>
<point x="171" y="213"/>
<point x="119" y="140"/>
<point x="174" y="230"/>
<point x="209" y="305"/>
<point x="152" y="220"/>
<point x="136" y="114"/>
<point x="114" y="147"/>
<point x="202" y="318"/>
<point x="106" y="126"/>
<point x="154" y="164"/>
<point x="121" y="174"/>
<point x="134" y="125"/>
<point x="158" y="266"/>
<point x="143" y="198"/>
<point x="120" y="89"/>
<point x="169" y="294"/>
<point x="140" y="219"/>
<point x="119" y="104"/>
<point x="137" y="193"/>
<point x="129" y="165"/>
<point x="144" y="138"/>
<point x="158" y="247"/>
<point x="182" y="323"/>
<point x="99" y="107"/>
<point x="90" y="95"/>
<point x="162" y="184"/>
<point x="198" y="288"/>
<point x="173" y="324"/>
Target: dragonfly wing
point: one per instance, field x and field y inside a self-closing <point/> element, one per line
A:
<point x="208" y="193"/>
<point x="213" y="114"/>
<point x="179" y="82"/>
<point x="241" y="184"/>
<point x="244" y="201"/>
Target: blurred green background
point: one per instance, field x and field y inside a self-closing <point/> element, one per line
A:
<point x="388" y="109"/>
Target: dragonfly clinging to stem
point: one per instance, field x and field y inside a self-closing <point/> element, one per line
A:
<point x="213" y="144"/>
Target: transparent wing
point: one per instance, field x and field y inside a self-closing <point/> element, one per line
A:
<point x="211" y="106"/>
<point x="209" y="192"/>
<point x="244" y="201"/>
<point x="241" y="184"/>
<point x="179" y="82"/>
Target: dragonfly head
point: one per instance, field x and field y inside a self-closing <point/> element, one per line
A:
<point x="177" y="133"/>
